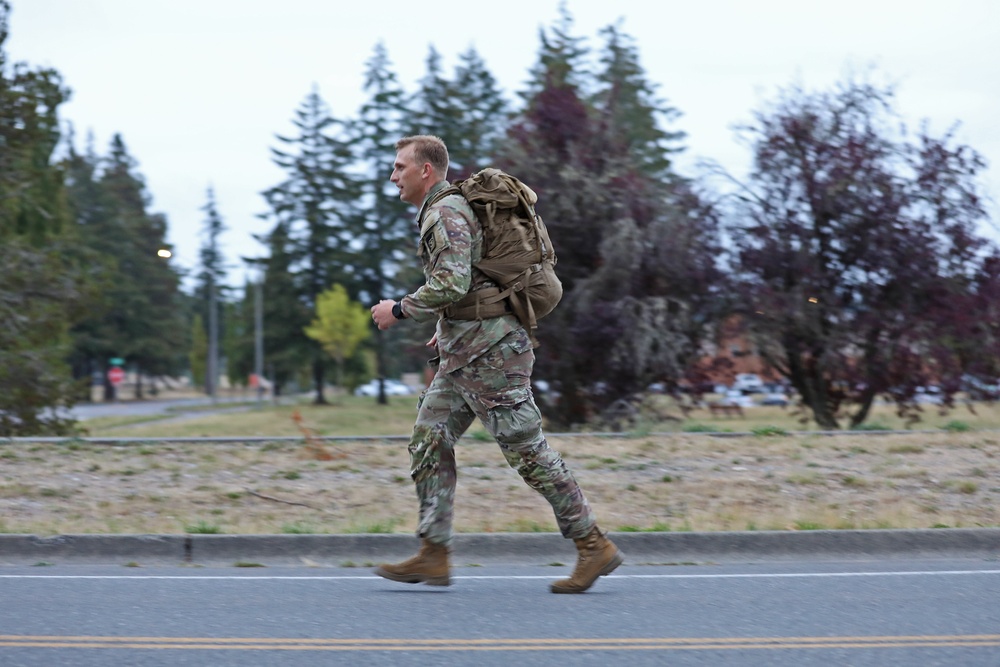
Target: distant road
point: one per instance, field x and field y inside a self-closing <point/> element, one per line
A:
<point x="84" y="411"/>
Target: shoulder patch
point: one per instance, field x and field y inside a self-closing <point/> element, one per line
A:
<point x="434" y="241"/>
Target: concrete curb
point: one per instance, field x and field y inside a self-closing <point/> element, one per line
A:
<point x="494" y="548"/>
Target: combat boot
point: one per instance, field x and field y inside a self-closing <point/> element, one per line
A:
<point x="430" y="566"/>
<point x="596" y="557"/>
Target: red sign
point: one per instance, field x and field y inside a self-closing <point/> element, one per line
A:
<point x="116" y="375"/>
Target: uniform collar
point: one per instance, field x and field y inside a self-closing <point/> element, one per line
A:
<point x="437" y="187"/>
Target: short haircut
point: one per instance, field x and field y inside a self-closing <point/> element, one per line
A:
<point x="427" y="148"/>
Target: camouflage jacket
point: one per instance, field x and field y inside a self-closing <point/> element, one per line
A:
<point x="450" y="242"/>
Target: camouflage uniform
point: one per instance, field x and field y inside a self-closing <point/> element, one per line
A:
<point x="484" y="371"/>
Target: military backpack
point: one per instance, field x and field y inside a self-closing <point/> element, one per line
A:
<point x="517" y="253"/>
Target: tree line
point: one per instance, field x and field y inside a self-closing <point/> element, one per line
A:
<point x="848" y="255"/>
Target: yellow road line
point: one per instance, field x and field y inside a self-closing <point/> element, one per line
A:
<point x="514" y="644"/>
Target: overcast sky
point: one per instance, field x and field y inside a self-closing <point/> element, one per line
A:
<point x="199" y="88"/>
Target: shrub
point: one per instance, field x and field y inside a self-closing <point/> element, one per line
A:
<point x="956" y="426"/>
<point x="203" y="528"/>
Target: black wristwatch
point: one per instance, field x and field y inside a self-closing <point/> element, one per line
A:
<point x="397" y="311"/>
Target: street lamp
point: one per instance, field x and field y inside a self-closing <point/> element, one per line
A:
<point x="163" y="252"/>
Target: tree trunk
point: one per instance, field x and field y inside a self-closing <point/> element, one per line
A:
<point x="318" y="382"/>
<point x="866" y="405"/>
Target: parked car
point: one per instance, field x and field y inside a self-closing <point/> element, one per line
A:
<point x="737" y="397"/>
<point x="774" y="398"/>
<point x="980" y="390"/>
<point x="749" y="383"/>
<point x="392" y="388"/>
<point x="929" y="394"/>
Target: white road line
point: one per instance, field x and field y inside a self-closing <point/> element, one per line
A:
<point x="785" y="575"/>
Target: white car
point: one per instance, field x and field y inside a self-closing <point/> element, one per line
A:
<point x="749" y="382"/>
<point x="775" y="398"/>
<point x="392" y="388"/>
<point x="737" y="397"/>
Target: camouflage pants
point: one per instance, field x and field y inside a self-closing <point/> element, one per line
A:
<point x="496" y="389"/>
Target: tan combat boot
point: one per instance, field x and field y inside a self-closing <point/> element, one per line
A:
<point x="597" y="556"/>
<point x="430" y="566"/>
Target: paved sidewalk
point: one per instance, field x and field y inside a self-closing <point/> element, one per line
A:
<point x="511" y="548"/>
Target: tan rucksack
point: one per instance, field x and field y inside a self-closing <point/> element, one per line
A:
<point x="517" y="252"/>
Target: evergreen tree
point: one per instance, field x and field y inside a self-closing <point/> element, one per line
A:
<point x="435" y="105"/>
<point x="551" y="146"/>
<point x="90" y="206"/>
<point x="43" y="281"/>
<point x="384" y="243"/>
<point x="238" y="343"/>
<point x="285" y="315"/>
<point x="317" y="208"/>
<point x="141" y="318"/>
<point x="32" y="196"/>
<point x="484" y="115"/>
<point x="561" y="59"/>
<point x="615" y="212"/>
<point x="469" y="112"/>
<point x="212" y="276"/>
<point x="632" y="117"/>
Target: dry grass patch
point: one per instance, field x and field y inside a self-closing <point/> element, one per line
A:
<point x="671" y="482"/>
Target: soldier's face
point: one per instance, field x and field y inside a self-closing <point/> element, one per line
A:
<point x="408" y="176"/>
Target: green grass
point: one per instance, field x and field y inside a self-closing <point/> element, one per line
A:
<point x="769" y="431"/>
<point x="375" y="527"/>
<point x="352" y="415"/>
<point x="203" y="528"/>
<point x="957" y="426"/>
<point x="299" y="528"/>
<point x="363" y="416"/>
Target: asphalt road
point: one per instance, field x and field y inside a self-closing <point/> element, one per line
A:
<point x="896" y="612"/>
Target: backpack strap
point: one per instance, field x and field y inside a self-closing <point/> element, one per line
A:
<point x="482" y="304"/>
<point x="438" y="196"/>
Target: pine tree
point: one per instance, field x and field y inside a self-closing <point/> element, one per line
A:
<point x="198" y="354"/>
<point x="484" y="116"/>
<point x="384" y="242"/>
<point x="469" y="112"/>
<point x="632" y="117"/>
<point x="286" y="351"/>
<point x="238" y="338"/>
<point x="32" y="196"/>
<point x="142" y="322"/>
<point x="212" y="276"/>
<point x="594" y="150"/>
<point x="317" y="208"/>
<point x="43" y="280"/>
<point x="90" y="206"/>
<point x="435" y="106"/>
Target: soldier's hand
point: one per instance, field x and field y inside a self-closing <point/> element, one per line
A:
<point x="433" y="341"/>
<point x="382" y="314"/>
